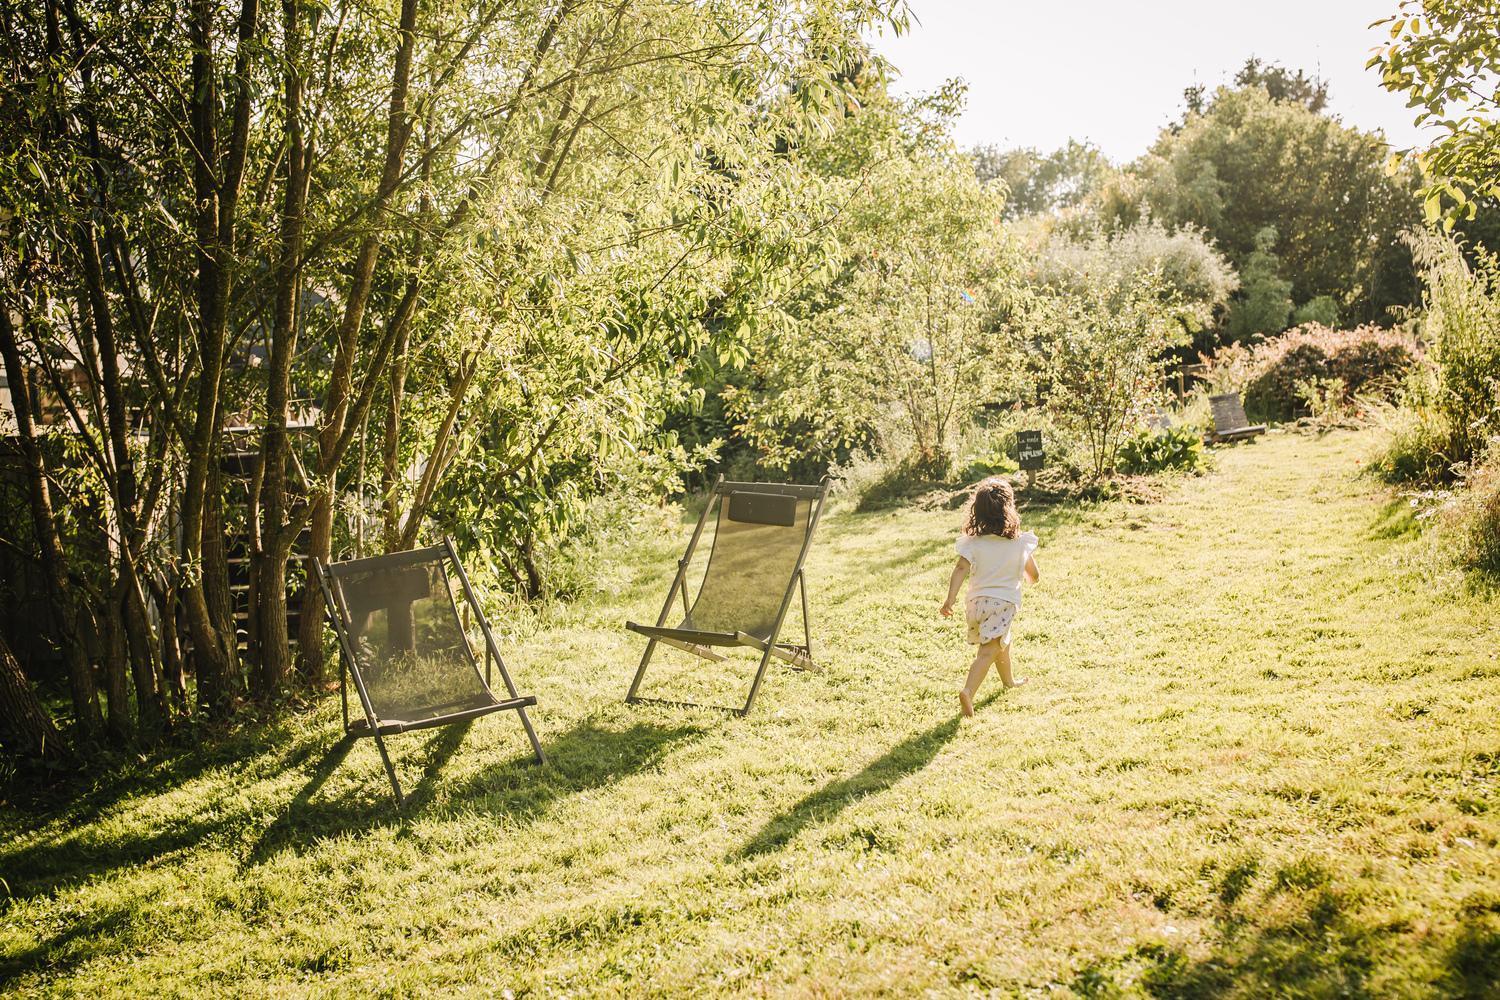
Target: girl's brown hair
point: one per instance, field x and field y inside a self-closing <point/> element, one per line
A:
<point x="992" y="511"/>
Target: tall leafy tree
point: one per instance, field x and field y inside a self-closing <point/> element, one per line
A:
<point x="448" y="239"/>
<point x="1037" y="183"/>
<point x="1248" y="161"/>
<point x="900" y="330"/>
<point x="1283" y="84"/>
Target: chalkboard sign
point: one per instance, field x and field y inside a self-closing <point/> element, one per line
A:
<point x="1029" y="450"/>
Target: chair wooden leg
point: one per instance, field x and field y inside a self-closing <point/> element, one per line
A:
<point x="760" y="674"/>
<point x="536" y="744"/>
<point x="390" y="771"/>
<point x="640" y="671"/>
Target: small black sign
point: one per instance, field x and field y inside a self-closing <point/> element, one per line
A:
<point x="1029" y="450"/>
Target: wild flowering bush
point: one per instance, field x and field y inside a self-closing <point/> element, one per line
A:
<point x="1273" y="375"/>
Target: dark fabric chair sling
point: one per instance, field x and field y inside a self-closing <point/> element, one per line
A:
<point x="1230" y="422"/>
<point x="762" y="535"/>
<point x="403" y="643"/>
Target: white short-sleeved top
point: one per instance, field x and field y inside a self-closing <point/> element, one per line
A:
<point x="997" y="564"/>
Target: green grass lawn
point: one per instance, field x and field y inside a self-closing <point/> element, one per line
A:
<point x="1259" y="755"/>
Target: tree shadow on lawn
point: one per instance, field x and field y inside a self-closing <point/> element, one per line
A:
<point x="1397" y="519"/>
<point x="87" y="937"/>
<point x="42" y="868"/>
<point x="907" y="757"/>
<point x="256" y="745"/>
<point x="586" y="756"/>
<point x="45" y="867"/>
<point x="1325" y="952"/>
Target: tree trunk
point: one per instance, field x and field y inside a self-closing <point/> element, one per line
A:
<point x="150" y="699"/>
<point x="173" y="667"/>
<point x="528" y="563"/>
<point x="340" y="392"/>
<point x="278" y="529"/>
<point x="216" y="578"/>
<point x="26" y="730"/>
<point x="44" y="524"/>
<point x="116" y="673"/>
<point x="216" y="198"/>
<point x="270" y="621"/>
<point x="390" y="467"/>
<point x="151" y="706"/>
<point x="310" y="659"/>
<point x="213" y="664"/>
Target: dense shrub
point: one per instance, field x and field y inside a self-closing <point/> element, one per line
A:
<point x="1322" y="310"/>
<point x="1474" y="518"/>
<point x="996" y="463"/>
<point x="1450" y="406"/>
<point x="1175" y="448"/>
<point x="1462" y="323"/>
<point x="1272" y="374"/>
<point x="1417" y="447"/>
<point x="878" y="481"/>
<point x="1196" y="280"/>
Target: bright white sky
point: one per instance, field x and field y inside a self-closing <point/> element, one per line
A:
<point x="1113" y="71"/>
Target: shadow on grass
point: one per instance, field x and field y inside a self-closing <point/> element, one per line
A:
<point x="907" y="757"/>
<point x="1326" y="952"/>
<point x="88" y="937"/>
<point x="1397" y="519"/>
<point x="306" y="820"/>
<point x="81" y="852"/>
<point x="264" y="744"/>
<point x="586" y="757"/>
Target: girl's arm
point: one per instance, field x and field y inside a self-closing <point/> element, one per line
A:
<point x="1032" y="573"/>
<point x="955" y="580"/>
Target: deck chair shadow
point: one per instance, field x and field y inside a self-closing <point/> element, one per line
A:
<point x="403" y="643"/>
<point x="1230" y="422"/>
<point x="762" y="535"/>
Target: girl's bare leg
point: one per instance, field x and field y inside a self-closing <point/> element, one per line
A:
<point x="983" y="657"/>
<point x="1002" y="661"/>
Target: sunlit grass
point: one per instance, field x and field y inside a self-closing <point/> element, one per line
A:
<point x="1260" y="754"/>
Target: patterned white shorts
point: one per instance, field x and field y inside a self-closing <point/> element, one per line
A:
<point x="989" y="618"/>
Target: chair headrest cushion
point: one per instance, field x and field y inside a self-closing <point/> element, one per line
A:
<point x="763" y="508"/>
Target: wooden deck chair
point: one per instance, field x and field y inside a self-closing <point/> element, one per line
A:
<point x="403" y="643"/>
<point x="762" y="535"/>
<point x="1230" y="422"/>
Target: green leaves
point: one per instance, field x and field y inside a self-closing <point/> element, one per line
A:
<point x="1099" y="349"/>
<point x="1445" y="57"/>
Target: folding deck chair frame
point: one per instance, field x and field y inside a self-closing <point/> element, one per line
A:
<point x="373" y="725"/>
<point x="701" y="642"/>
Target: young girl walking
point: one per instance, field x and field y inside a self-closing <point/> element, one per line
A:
<point x="996" y="555"/>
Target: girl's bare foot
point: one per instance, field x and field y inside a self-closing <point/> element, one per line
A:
<point x="966" y="703"/>
<point x="1016" y="683"/>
